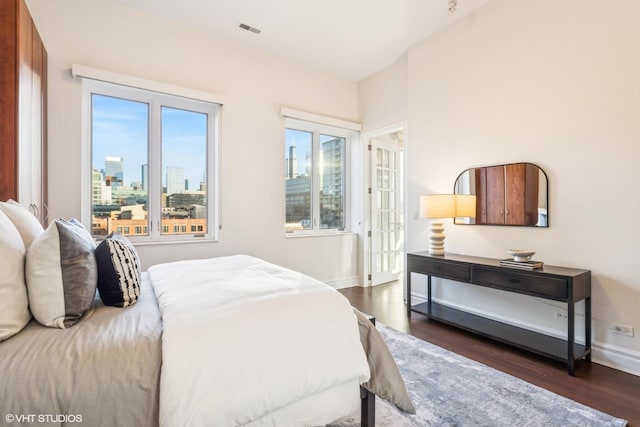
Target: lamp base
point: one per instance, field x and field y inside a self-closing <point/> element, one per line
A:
<point x="436" y="238"/>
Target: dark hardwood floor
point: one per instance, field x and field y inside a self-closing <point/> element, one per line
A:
<point x="606" y="389"/>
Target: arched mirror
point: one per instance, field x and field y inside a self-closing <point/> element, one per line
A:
<point x="511" y="194"/>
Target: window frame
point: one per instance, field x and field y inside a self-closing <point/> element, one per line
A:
<point x="317" y="129"/>
<point x="155" y="100"/>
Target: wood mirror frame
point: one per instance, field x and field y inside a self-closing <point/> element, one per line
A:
<point x="509" y="194"/>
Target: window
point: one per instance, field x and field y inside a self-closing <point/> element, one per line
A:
<point x="152" y="163"/>
<point x="315" y="177"/>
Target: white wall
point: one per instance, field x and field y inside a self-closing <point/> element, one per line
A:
<point x="384" y="96"/>
<point x="552" y="82"/>
<point x="254" y="85"/>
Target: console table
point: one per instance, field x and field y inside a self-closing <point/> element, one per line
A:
<point x="567" y="285"/>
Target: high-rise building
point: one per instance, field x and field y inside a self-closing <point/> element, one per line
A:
<point x="113" y="169"/>
<point x="292" y="163"/>
<point x="145" y="176"/>
<point x="175" y="180"/>
<point x="101" y="193"/>
<point x="332" y="183"/>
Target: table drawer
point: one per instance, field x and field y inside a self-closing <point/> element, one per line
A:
<point x="547" y="287"/>
<point x="435" y="268"/>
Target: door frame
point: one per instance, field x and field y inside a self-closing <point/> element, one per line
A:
<point x="365" y="252"/>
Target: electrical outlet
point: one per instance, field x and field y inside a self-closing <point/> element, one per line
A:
<point x="559" y="315"/>
<point x="621" y="329"/>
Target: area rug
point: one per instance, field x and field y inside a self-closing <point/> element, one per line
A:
<point x="450" y="390"/>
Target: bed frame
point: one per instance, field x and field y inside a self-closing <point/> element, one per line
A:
<point x="367" y="399"/>
<point x="367" y="408"/>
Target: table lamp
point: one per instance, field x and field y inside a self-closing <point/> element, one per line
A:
<point x="437" y="207"/>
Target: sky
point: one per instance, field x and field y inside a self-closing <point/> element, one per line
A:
<point x="120" y="129"/>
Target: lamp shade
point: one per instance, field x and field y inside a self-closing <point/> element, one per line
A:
<point x="465" y="205"/>
<point x="438" y="206"/>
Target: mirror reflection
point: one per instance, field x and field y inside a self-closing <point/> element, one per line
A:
<point x="510" y="194"/>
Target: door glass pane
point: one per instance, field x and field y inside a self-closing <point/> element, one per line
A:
<point x="119" y="139"/>
<point x="332" y="182"/>
<point x="298" y="180"/>
<point x="184" y="170"/>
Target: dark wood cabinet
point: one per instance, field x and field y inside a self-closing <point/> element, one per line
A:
<point x="554" y="283"/>
<point x="23" y="101"/>
<point x="507" y="194"/>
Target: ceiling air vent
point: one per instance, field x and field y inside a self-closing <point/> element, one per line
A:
<point x="250" y="28"/>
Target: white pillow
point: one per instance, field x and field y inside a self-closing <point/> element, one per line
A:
<point x="27" y="224"/>
<point x="14" y="303"/>
<point x="61" y="274"/>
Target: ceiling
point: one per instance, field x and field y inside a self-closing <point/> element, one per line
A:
<point x="350" y="38"/>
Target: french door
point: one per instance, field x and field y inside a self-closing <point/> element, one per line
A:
<point x="386" y="216"/>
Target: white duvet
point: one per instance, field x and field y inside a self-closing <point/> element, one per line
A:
<point x="243" y="338"/>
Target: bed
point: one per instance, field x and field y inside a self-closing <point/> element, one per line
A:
<point x="105" y="369"/>
<point x="223" y="341"/>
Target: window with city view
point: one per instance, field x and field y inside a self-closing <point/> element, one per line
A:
<point x="152" y="157"/>
<point x="315" y="178"/>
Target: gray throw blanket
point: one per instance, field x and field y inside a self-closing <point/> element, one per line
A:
<point x="386" y="380"/>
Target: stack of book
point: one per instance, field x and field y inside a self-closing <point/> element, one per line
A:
<point x="525" y="265"/>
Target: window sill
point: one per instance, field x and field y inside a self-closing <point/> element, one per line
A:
<point x="170" y="242"/>
<point x="317" y="234"/>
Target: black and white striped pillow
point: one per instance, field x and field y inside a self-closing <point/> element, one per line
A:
<point x="118" y="271"/>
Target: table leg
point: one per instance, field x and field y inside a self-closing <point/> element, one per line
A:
<point x="571" y="336"/>
<point x="587" y="327"/>
<point x="409" y="294"/>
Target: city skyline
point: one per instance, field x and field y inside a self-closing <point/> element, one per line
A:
<point x="174" y="176"/>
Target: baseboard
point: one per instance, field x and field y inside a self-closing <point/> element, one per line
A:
<point x="348" y="282"/>
<point x="616" y="357"/>
<point x="605" y="354"/>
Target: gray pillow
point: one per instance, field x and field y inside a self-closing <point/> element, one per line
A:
<point x="61" y="274"/>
